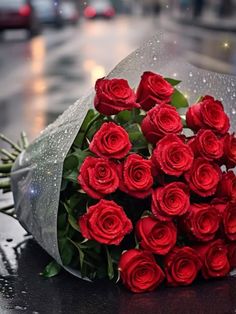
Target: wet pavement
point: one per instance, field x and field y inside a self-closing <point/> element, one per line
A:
<point x="39" y="79"/>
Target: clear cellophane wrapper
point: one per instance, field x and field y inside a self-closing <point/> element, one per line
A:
<point x="37" y="174"/>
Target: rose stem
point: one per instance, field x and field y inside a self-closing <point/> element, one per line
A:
<point x="6" y="168"/>
<point x="24" y="140"/>
<point x="5" y="183"/>
<point x="13" y="145"/>
<point x="6" y="153"/>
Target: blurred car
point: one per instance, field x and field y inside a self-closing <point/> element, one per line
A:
<point x="18" y="14"/>
<point x="99" y="8"/>
<point x="48" y="12"/>
<point x="69" y="12"/>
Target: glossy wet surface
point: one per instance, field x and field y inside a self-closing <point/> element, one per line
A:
<point x="41" y="77"/>
<point x="23" y="290"/>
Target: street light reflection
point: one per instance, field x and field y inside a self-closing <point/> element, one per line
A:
<point x="93" y="70"/>
<point x="36" y="104"/>
<point x="96" y="73"/>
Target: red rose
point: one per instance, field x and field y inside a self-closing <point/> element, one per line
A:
<point x="219" y="205"/>
<point x="136" y="177"/>
<point x="207" y="145"/>
<point x="156" y="236"/>
<point x="111" y="141"/>
<point x="232" y="254"/>
<point x="229" y="221"/>
<point x="227" y="212"/>
<point x="172" y="156"/>
<point x="98" y="177"/>
<point x="214" y="259"/>
<point x="153" y="89"/>
<point x="114" y="96"/>
<point x="160" y="121"/>
<point x="227" y="187"/>
<point x="201" y="222"/>
<point x="203" y="177"/>
<point x="139" y="271"/>
<point x="182" y="266"/>
<point x="105" y="222"/>
<point x="208" y="114"/>
<point x="230" y="151"/>
<point x="170" y="201"/>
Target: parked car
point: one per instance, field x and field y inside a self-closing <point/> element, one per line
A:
<point x="18" y="14"/>
<point x="99" y="8"/>
<point x="48" y="12"/>
<point x="69" y="12"/>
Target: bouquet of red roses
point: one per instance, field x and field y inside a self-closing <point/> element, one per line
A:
<point x="155" y="204"/>
<point x="145" y="194"/>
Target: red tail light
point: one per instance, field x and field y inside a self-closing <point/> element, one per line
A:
<point x="25" y="10"/>
<point x="110" y="12"/>
<point x="90" y="12"/>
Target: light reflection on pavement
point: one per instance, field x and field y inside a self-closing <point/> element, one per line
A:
<point x="42" y="77"/>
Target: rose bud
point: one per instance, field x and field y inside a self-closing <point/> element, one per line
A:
<point x="170" y="201"/>
<point x="203" y="177"/>
<point x="160" y="121"/>
<point x="105" y="222"/>
<point x="227" y="187"/>
<point x="228" y="215"/>
<point x="208" y="114"/>
<point x="139" y="271"/>
<point x="230" y="151"/>
<point x="98" y="177"/>
<point x="182" y="266"/>
<point x="153" y="89"/>
<point x="207" y="145"/>
<point x="172" y="156"/>
<point x="156" y="236"/>
<point x="111" y="141"/>
<point x="232" y="254"/>
<point x="136" y="177"/>
<point x="201" y="222"/>
<point x="214" y="259"/>
<point x="114" y="96"/>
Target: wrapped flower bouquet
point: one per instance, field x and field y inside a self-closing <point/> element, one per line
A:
<point x="131" y="182"/>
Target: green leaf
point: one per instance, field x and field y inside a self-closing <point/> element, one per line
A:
<point x="66" y="251"/>
<point x="62" y="220"/>
<point x="136" y="136"/>
<point x="74" y="200"/>
<point x="179" y="100"/>
<point x="73" y="223"/>
<point x="81" y="155"/>
<point x="51" y="270"/>
<point x="71" y="176"/>
<point x="80" y="136"/>
<point x="172" y="81"/>
<point x="123" y="117"/>
<point x="68" y="209"/>
<point x="110" y="270"/>
<point x="64" y="185"/>
<point x="81" y="253"/>
<point x="71" y="162"/>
